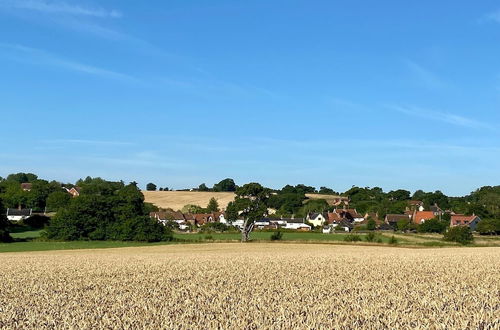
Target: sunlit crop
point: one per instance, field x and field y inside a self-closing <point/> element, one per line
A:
<point x="250" y="286"/>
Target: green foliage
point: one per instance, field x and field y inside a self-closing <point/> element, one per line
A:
<point x="37" y="221"/>
<point x="352" y="238"/>
<point x="372" y="237"/>
<point x="151" y="187"/>
<point x="327" y="191"/>
<point x="251" y="204"/>
<point x="4" y="224"/>
<point x="22" y="177"/>
<point x="213" y="205"/>
<point x="433" y="226"/>
<point x="203" y="187"/>
<point x="399" y="195"/>
<point x="403" y="225"/>
<point x="371" y="224"/>
<point x="57" y="200"/>
<point x="459" y="234"/>
<point x="191" y="208"/>
<point x="104" y="213"/>
<point x="277" y="236"/>
<point x="489" y="227"/>
<point x="215" y="227"/>
<point x="225" y="185"/>
<point x="393" y="240"/>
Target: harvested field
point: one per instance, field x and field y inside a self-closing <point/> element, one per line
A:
<point x="177" y="199"/>
<point x="250" y="286"/>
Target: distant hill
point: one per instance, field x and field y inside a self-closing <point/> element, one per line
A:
<point x="177" y="199"/>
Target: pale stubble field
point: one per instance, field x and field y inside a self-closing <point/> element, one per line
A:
<point x="250" y="286"/>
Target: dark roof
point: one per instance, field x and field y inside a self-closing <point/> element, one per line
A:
<point x="26" y="186"/>
<point x="396" y="217"/>
<point x="24" y="212"/>
<point x="293" y="220"/>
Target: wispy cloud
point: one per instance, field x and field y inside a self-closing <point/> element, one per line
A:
<point x="89" y="142"/>
<point x="445" y="117"/>
<point x="491" y="17"/>
<point x="428" y="78"/>
<point x="41" y="57"/>
<point x="59" y="7"/>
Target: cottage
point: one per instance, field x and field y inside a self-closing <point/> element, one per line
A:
<point x="297" y="224"/>
<point x="393" y="219"/>
<point x="419" y="217"/>
<point x="26" y="186"/>
<point x="317" y="219"/>
<point x="18" y="214"/>
<point x="74" y="191"/>
<point x="465" y="220"/>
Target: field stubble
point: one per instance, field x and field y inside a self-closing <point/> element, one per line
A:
<point x="251" y="286"/>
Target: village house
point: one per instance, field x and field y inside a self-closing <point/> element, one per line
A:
<point x="465" y="220"/>
<point x="317" y="219"/>
<point x="18" y="214"/>
<point x="297" y="224"/>
<point x="26" y="186"/>
<point x="415" y="206"/>
<point x="419" y="217"/>
<point x="74" y="191"/>
<point x="393" y="219"/>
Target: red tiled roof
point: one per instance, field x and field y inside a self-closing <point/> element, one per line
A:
<point x="423" y="215"/>
<point x="461" y="219"/>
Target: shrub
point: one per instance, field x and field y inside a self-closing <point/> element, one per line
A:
<point x="371" y="224"/>
<point x="489" y="227"/>
<point x="37" y="221"/>
<point x="432" y="226"/>
<point x="352" y="238"/>
<point x="371" y="237"/>
<point x="208" y="237"/>
<point x="214" y="227"/>
<point x="459" y="234"/>
<point x="393" y="240"/>
<point x="277" y="236"/>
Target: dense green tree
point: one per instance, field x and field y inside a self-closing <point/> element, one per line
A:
<point x="4" y="225"/>
<point x="57" y="200"/>
<point x="489" y="227"/>
<point x="399" y="195"/>
<point x="371" y="224"/>
<point x="104" y="213"/>
<point x="37" y="221"/>
<point x="203" y="187"/>
<point x="327" y="191"/>
<point x="213" y="205"/>
<point x="22" y="177"/>
<point x="151" y="187"/>
<point x="191" y="208"/>
<point x="225" y="185"/>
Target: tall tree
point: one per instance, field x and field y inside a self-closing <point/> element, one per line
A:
<point x="251" y="202"/>
<point x="151" y="187"/>
<point x="213" y="205"/>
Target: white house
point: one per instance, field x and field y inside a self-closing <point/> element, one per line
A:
<point x="18" y="215"/>
<point x="317" y="219"/>
<point x="297" y="226"/>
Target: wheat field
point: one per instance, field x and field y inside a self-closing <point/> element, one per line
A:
<point x="177" y="199"/>
<point x="252" y="286"/>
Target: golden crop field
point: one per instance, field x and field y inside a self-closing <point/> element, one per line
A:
<point x="177" y="199"/>
<point x="251" y="286"/>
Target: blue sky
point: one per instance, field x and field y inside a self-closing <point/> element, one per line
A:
<point x="394" y="94"/>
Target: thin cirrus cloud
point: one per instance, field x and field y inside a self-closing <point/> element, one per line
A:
<point x="41" y="57"/>
<point x="448" y="118"/>
<point x="425" y="76"/>
<point x="58" y="7"/>
<point x="491" y="17"/>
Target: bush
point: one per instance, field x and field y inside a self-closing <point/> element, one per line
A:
<point x="208" y="237"/>
<point x="432" y="226"/>
<point x="489" y="227"/>
<point x="393" y="240"/>
<point x="371" y="237"/>
<point x="459" y="234"/>
<point x="371" y="224"/>
<point x="352" y="238"/>
<point x="37" y="221"/>
<point x="277" y="236"/>
<point x="214" y="227"/>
